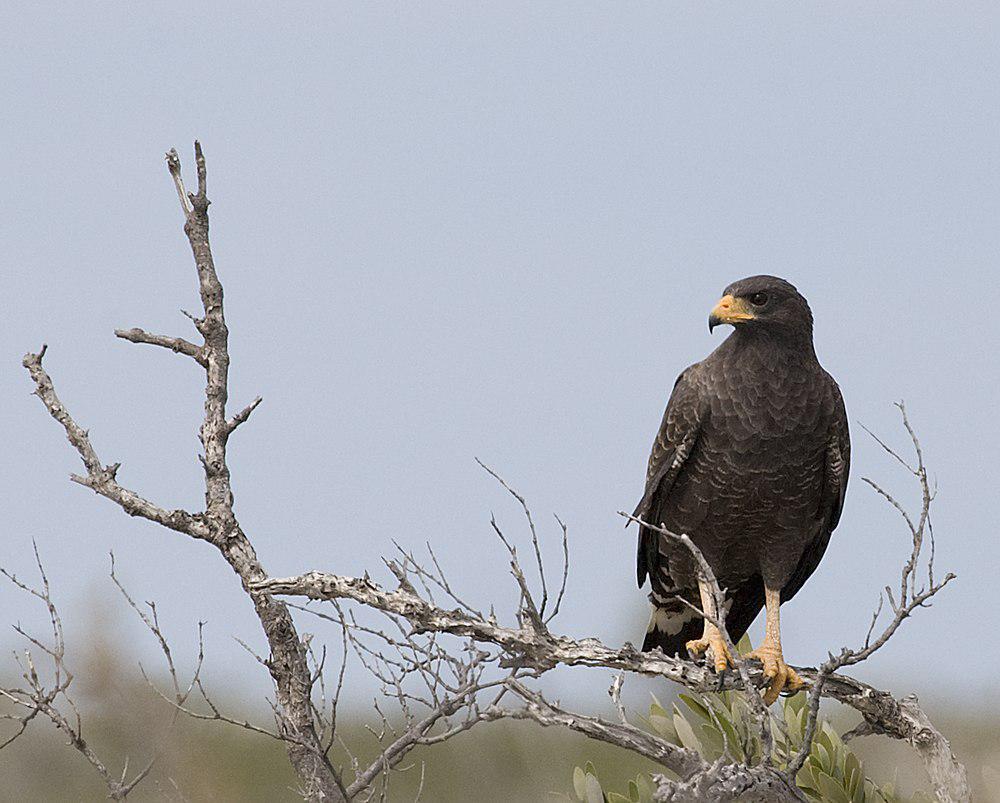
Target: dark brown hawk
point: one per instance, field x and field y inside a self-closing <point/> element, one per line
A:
<point x="751" y="461"/>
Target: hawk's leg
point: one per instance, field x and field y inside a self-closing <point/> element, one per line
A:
<point x="781" y="676"/>
<point x="711" y="638"/>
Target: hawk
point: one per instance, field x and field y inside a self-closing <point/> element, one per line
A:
<point x="751" y="461"/>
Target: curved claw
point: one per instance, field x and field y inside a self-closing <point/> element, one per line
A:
<point x="781" y="676"/>
<point x="722" y="659"/>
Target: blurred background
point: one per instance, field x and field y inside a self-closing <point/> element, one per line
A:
<point x="450" y="230"/>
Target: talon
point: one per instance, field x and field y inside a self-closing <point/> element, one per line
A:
<point x="722" y="680"/>
<point x="781" y="676"/>
<point x="697" y="647"/>
<point x="794" y="683"/>
<point x="721" y="657"/>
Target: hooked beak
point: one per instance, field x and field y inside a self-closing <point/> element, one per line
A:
<point x="729" y="310"/>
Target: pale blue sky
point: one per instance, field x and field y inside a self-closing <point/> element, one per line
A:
<point x="449" y="230"/>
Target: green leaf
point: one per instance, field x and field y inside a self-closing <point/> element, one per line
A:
<point x="657" y="708"/>
<point x="804" y="779"/>
<point x="589" y="768"/>
<point x="853" y="772"/>
<point x="594" y="792"/>
<point x="580" y="783"/>
<point x="797" y="702"/>
<point x="832" y="791"/>
<point x="824" y="738"/>
<point x="664" y="726"/>
<point x="633" y="792"/>
<point x="793" y="719"/>
<point x="696" y="707"/>
<point x="745" y="724"/>
<point x="646" y="788"/>
<point x="734" y="743"/>
<point x="850" y="781"/>
<point x="712" y="740"/>
<point x="685" y="733"/>
<point x="823" y="756"/>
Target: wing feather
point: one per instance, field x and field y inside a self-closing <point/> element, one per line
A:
<point x="672" y="446"/>
<point x="836" y="471"/>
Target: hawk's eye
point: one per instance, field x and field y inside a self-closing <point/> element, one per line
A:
<point x="758" y="299"/>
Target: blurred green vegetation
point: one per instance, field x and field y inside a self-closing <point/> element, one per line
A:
<point x="508" y="762"/>
<point x="496" y="762"/>
<point x="218" y="762"/>
<point x="723" y="724"/>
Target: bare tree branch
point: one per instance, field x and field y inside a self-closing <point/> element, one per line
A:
<point x="37" y="698"/>
<point x="100" y="478"/>
<point x="525" y="648"/>
<point x="534" y="539"/>
<point x="176" y="344"/>
<point x="707" y="576"/>
<point x="531" y="645"/>
<point x="217" y="524"/>
<point x="947" y="775"/>
<point x="432" y="690"/>
<point x="244" y="414"/>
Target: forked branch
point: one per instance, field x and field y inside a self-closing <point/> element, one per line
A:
<point x="448" y="669"/>
<point x="217" y="524"/>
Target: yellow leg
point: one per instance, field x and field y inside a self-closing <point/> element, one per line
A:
<point x="781" y="675"/>
<point x="711" y="638"/>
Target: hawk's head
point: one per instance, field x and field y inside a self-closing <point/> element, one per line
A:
<point x="763" y="303"/>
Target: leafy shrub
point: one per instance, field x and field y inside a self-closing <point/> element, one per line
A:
<point x="717" y="724"/>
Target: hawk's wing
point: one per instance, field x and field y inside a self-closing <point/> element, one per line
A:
<point x="836" y="471"/>
<point x="675" y="439"/>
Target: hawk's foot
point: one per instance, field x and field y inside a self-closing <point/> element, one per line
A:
<point x="721" y="657"/>
<point x="781" y="676"/>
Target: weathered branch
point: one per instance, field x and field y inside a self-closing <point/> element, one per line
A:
<point x="532" y="645"/>
<point x="697" y="780"/>
<point x="419" y="732"/>
<point x="217" y="524"/>
<point x="525" y="648"/>
<point x="36" y="698"/>
<point x="705" y="573"/>
<point x="439" y="691"/>
<point x="100" y="478"/>
<point x="176" y="344"/>
<point x="680" y="760"/>
<point x="243" y="415"/>
<point x="287" y="664"/>
<point x="947" y="775"/>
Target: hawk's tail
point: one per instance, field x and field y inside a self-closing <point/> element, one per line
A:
<point x="673" y="624"/>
